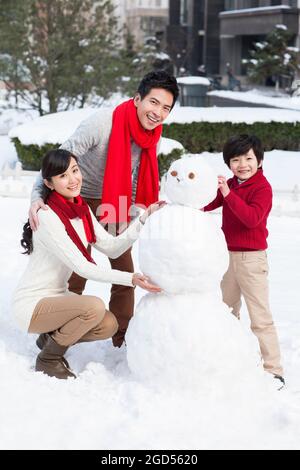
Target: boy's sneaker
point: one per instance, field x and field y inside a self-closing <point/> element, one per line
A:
<point x="280" y="382"/>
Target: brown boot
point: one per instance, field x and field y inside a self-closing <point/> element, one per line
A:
<point x="50" y="360"/>
<point x="41" y="341"/>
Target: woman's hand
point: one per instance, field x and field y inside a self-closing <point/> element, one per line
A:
<point x="144" y="282"/>
<point x="151" y="209"/>
<point x="223" y="186"/>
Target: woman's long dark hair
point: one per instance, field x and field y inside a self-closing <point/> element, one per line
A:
<point x="55" y="162"/>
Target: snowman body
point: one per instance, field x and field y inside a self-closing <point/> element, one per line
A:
<point x="186" y="335"/>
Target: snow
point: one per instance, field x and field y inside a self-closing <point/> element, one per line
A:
<point x="56" y="128"/>
<point x="106" y="408"/>
<point x="260" y="45"/>
<point x="254" y="96"/>
<point x="162" y="56"/>
<point x="193" y="81"/>
<point x="288" y="186"/>
<point x="255" y="10"/>
<point x="7" y="151"/>
<point x="187" y="114"/>
<point x="52" y="128"/>
<point x="167" y="145"/>
<point x="281" y="26"/>
<point x="10" y="117"/>
<point x="281" y="166"/>
<point x="110" y="407"/>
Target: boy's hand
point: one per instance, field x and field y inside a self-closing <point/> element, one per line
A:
<point x="223" y="186"/>
<point x="33" y="217"/>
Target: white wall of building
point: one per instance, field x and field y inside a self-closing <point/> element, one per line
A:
<point x="134" y="13"/>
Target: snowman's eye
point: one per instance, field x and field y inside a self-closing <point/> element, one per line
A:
<point x="192" y="175"/>
<point x="174" y="173"/>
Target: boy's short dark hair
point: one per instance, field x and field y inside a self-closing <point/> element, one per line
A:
<point x="159" y="79"/>
<point x="240" y="145"/>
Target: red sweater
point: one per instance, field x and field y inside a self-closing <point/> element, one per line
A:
<point x="245" y="212"/>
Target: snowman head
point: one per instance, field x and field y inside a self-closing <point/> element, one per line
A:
<point x="191" y="182"/>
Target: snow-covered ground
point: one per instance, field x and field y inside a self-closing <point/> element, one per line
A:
<point x="261" y="98"/>
<point x="105" y="408"/>
<point x="187" y="114"/>
<point x="8" y="152"/>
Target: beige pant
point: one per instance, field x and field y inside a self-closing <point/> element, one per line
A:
<point x="121" y="297"/>
<point x="71" y="318"/>
<point x="247" y="276"/>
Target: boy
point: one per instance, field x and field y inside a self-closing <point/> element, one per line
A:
<point x="247" y="200"/>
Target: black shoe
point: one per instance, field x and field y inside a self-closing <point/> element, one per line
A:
<point x="282" y="381"/>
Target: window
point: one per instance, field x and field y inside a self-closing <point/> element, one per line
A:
<point x="240" y="4"/>
<point x="183" y="12"/>
<point x="230" y="4"/>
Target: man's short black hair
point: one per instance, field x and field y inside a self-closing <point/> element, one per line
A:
<point x="238" y="145"/>
<point x="158" y="79"/>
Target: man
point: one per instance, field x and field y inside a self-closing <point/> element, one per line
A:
<point x="117" y="154"/>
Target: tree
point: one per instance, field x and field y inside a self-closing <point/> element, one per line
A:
<point x="56" y="53"/>
<point x="141" y="60"/>
<point x="273" y="57"/>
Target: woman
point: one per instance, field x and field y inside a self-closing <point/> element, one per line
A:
<point x="42" y="303"/>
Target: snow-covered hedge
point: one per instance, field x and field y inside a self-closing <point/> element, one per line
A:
<point x="33" y="139"/>
<point x="199" y="137"/>
<point x="30" y="155"/>
<point x="197" y="129"/>
<point x="206" y="129"/>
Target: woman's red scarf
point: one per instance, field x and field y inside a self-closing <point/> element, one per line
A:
<point x="117" y="178"/>
<point x="67" y="210"/>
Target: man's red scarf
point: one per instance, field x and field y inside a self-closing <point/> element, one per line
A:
<point x="118" y="178"/>
<point x="67" y="210"/>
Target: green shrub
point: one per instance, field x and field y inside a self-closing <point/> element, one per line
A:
<point x="197" y="137"/>
<point x="31" y="156"/>
<point x="164" y="161"/>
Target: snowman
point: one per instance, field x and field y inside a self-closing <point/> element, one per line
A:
<point x="185" y="335"/>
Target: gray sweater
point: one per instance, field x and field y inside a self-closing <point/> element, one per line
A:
<point x="89" y="143"/>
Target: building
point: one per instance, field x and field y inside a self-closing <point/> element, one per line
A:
<point x="193" y="35"/>
<point x="214" y="33"/>
<point x="144" y="18"/>
<point x="244" y="22"/>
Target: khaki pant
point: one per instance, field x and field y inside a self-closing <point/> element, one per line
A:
<point x="121" y="297"/>
<point x="73" y="318"/>
<point x="247" y="277"/>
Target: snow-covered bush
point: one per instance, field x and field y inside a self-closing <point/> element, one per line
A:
<point x="203" y="136"/>
<point x="33" y="139"/>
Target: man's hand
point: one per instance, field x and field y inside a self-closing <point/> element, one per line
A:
<point x="144" y="282"/>
<point x="33" y="217"/>
<point x="223" y="186"/>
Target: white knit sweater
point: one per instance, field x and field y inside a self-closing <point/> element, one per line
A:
<point x="55" y="256"/>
